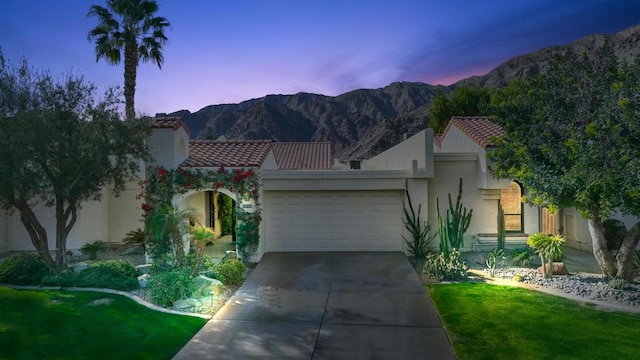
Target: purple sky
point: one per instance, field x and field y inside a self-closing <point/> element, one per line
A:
<point x="230" y="51"/>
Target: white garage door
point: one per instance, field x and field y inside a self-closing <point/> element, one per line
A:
<point x="333" y="221"/>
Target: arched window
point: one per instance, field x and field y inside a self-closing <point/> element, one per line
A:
<point x="511" y="201"/>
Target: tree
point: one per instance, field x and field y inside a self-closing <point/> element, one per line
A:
<point x="167" y="227"/>
<point x="60" y="147"/>
<point x="463" y="101"/>
<point x="129" y="29"/>
<point x="571" y="138"/>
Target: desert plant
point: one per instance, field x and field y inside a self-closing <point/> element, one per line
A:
<point x="418" y="244"/>
<point x="201" y="236"/>
<point x="614" y="233"/>
<point x="230" y="272"/>
<point x="636" y="261"/>
<point x="445" y="266"/>
<point x="166" y="227"/>
<point x="494" y="256"/>
<point x="136" y="237"/>
<point x="522" y="256"/>
<point x="618" y="283"/>
<point x="548" y="247"/>
<point x="93" y="248"/>
<point x="451" y="228"/>
<point x="25" y="268"/>
<point x="502" y="233"/>
<point x="165" y="287"/>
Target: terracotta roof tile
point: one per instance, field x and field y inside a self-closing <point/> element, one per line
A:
<point x="173" y="122"/>
<point x="303" y="155"/>
<point x="230" y="153"/>
<point x="479" y="128"/>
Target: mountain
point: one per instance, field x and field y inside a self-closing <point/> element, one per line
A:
<point x="359" y="123"/>
<point x="625" y="43"/>
<point x="364" y="122"/>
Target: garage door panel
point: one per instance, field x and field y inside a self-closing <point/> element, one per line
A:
<point x="333" y="221"/>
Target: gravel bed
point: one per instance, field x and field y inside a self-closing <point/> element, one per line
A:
<point x="591" y="286"/>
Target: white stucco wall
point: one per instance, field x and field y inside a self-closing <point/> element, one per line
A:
<point x="418" y="147"/>
<point x="125" y="212"/>
<point x="168" y="147"/>
<point x="4" y="238"/>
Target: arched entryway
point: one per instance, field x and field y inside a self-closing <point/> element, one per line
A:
<point x="215" y="209"/>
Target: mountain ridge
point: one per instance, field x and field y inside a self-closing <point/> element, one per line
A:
<point x="364" y="122"/>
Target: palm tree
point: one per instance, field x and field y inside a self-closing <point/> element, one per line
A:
<point x="129" y="29"/>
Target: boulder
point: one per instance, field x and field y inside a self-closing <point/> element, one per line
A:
<point x="143" y="280"/>
<point x="558" y="269"/>
<point x="186" y="304"/>
<point x="133" y="250"/>
<point x="229" y="254"/>
<point x="144" y="269"/>
<point x="206" y="285"/>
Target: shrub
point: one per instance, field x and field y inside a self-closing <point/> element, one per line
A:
<point x="636" y="261"/>
<point x="26" y="268"/>
<point x="230" y="272"/>
<point x="493" y="257"/>
<point x="614" y="233"/>
<point x="109" y="274"/>
<point x="93" y="248"/>
<point x="445" y="266"/>
<point x="136" y="237"/>
<point x="165" y="287"/>
<point x="522" y="256"/>
<point x="618" y="283"/>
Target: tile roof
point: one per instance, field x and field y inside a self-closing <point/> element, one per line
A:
<point x="231" y="153"/>
<point x="303" y="155"/>
<point x="479" y="128"/>
<point x="167" y="122"/>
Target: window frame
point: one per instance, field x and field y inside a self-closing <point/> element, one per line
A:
<point x="521" y="214"/>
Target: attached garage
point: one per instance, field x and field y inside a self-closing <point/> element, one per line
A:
<point x="334" y="221"/>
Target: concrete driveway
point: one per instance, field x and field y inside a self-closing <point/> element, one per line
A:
<point x="326" y="306"/>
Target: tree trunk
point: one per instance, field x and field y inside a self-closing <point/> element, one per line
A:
<point x="36" y="231"/>
<point x="65" y="219"/>
<point x="600" y="252"/>
<point x="624" y="257"/>
<point x="130" y="68"/>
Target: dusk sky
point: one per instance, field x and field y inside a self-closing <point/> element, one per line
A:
<point x="231" y="51"/>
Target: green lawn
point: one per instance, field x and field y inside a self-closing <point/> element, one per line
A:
<point x="73" y="325"/>
<point x="501" y="322"/>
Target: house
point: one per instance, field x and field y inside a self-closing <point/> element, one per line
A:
<point x="309" y="202"/>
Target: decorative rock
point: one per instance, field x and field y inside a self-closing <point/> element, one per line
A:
<point x="206" y="285"/>
<point x="558" y="269"/>
<point x="80" y="266"/>
<point x="143" y="280"/>
<point x="518" y="278"/>
<point x="133" y="250"/>
<point x="229" y="254"/>
<point x="186" y="303"/>
<point x="143" y="269"/>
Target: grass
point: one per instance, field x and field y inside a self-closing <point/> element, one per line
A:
<point x="87" y="325"/>
<point x="500" y="322"/>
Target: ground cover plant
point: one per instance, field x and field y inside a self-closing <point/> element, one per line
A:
<point x="494" y="322"/>
<point x="87" y="325"/>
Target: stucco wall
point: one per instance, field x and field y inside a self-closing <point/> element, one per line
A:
<point x="168" y="147"/>
<point x="125" y="212"/>
<point x="4" y="239"/>
<point x="418" y="147"/>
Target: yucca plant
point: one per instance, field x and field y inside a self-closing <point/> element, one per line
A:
<point x="548" y="247"/>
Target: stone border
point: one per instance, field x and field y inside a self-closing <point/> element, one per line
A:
<point x="110" y="291"/>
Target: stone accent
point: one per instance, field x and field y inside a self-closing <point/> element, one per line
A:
<point x="143" y="280"/>
<point x="558" y="269"/>
<point x="143" y="269"/>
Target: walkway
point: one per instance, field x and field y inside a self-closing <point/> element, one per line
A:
<point x="326" y="306"/>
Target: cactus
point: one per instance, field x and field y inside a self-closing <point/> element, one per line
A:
<point x="456" y="223"/>
<point x="501" y="228"/>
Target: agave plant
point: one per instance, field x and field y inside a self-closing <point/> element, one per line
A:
<point x="136" y="237"/>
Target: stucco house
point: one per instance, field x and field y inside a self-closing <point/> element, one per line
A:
<point x="310" y="202"/>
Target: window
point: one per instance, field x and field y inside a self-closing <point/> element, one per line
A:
<point x="511" y="201"/>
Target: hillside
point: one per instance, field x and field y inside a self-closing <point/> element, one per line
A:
<point x="364" y="122"/>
